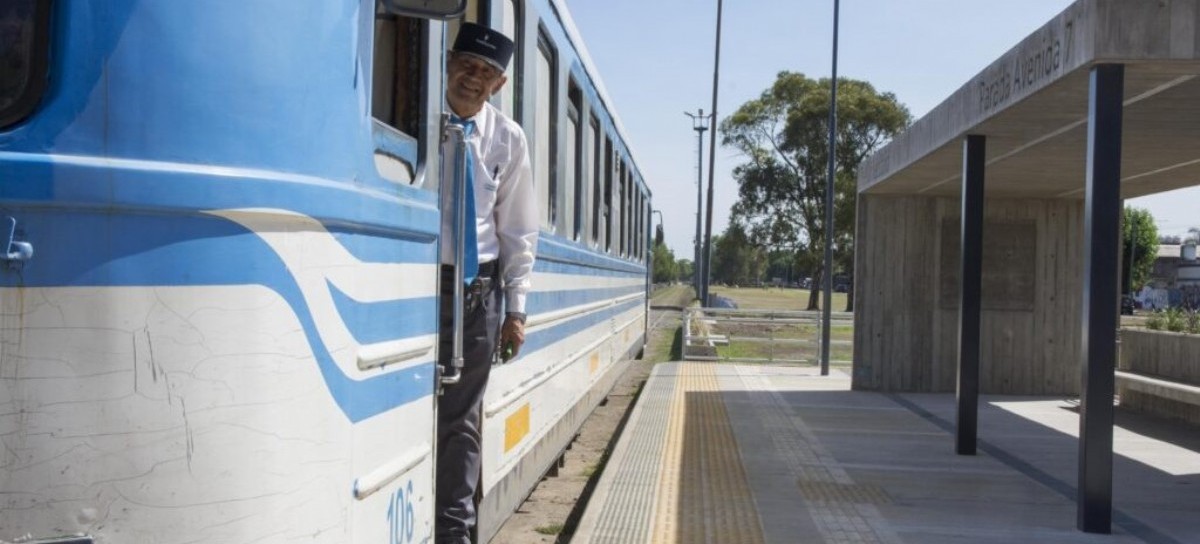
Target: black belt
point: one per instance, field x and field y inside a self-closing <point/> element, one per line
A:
<point x="481" y="286"/>
<point x="490" y="269"/>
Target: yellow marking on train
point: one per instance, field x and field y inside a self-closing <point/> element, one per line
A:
<point x="703" y="496"/>
<point x="516" y="426"/>
<point x="594" y="363"/>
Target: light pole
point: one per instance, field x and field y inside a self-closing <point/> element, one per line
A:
<point x="654" y="246"/>
<point x="825" y="311"/>
<point x="699" y="124"/>
<point x="712" y="165"/>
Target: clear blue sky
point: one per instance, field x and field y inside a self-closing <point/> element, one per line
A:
<point x="656" y="60"/>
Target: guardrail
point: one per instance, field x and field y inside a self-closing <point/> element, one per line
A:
<point x="764" y="336"/>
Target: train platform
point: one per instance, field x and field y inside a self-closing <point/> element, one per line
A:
<point x="721" y="453"/>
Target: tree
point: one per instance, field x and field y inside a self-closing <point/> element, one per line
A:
<point x="683" y="270"/>
<point x="735" y="259"/>
<point x="1139" y="237"/>
<point x="664" y="264"/>
<point x="784" y="137"/>
<point x="1193" y="235"/>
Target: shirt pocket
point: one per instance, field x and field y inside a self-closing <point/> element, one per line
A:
<point x="487" y="187"/>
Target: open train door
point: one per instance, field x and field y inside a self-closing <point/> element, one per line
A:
<point x="411" y="508"/>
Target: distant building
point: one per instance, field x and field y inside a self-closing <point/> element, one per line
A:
<point x="1187" y="273"/>
<point x="1166" y="266"/>
<point x="1175" y="280"/>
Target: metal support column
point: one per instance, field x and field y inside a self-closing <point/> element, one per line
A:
<point x="830" y="193"/>
<point x="1102" y="241"/>
<point x="712" y="166"/>
<point x="970" y="288"/>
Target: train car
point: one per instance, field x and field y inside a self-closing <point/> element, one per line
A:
<point x="218" y="295"/>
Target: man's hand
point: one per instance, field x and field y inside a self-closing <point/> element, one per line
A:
<point x="513" y="332"/>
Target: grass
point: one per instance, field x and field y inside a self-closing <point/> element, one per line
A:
<point x="672" y="295"/>
<point x="775" y="298"/>
<point x="552" y="529"/>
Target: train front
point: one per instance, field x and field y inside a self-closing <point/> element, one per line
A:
<point x="204" y="282"/>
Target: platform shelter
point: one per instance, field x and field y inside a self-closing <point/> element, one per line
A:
<point x="988" y="233"/>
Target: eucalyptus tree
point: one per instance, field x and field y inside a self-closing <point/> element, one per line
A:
<point x="783" y="136"/>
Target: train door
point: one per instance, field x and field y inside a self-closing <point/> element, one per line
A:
<point x="406" y="105"/>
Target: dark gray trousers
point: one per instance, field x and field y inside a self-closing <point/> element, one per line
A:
<point x="460" y="407"/>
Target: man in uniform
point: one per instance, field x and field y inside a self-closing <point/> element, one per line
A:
<point x="500" y="184"/>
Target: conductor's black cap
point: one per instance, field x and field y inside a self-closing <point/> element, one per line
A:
<point x="484" y="43"/>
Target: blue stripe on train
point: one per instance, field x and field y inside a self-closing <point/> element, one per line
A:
<point x="405" y="318"/>
<point x="184" y="251"/>
<point x="549" y="301"/>
<point x="548" y="336"/>
<point x="387" y="320"/>
<point x="556" y="249"/>
<point x="102" y="250"/>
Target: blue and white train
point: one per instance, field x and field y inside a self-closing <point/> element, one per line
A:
<point x="219" y="266"/>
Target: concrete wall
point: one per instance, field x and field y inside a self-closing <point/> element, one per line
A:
<point x="906" y="305"/>
<point x="1167" y="355"/>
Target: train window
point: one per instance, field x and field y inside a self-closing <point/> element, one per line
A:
<point x="619" y="212"/>
<point x="606" y="210"/>
<point x="398" y="97"/>
<point x="635" y="215"/>
<point x="630" y="211"/>
<point x="647" y="214"/>
<point x="510" y="25"/>
<point x="645" y="226"/>
<point x="635" y="218"/>
<point x="396" y="83"/>
<point x="594" y="193"/>
<point x="544" y="171"/>
<point x="574" y="178"/>
<point x="24" y="43"/>
<point x="642" y="221"/>
<point x="641" y="225"/>
<point x="637" y="224"/>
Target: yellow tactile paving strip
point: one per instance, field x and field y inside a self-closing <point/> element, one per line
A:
<point x="703" y="494"/>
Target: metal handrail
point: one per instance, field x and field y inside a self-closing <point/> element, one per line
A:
<point x="457" y="136"/>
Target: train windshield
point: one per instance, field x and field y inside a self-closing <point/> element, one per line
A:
<point x="23" y="28"/>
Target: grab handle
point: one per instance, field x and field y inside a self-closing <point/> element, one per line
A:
<point x="16" y="251"/>
<point x="457" y="137"/>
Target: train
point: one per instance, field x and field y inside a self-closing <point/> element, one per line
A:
<point x="220" y="260"/>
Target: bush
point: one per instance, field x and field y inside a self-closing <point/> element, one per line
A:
<point x="1175" y="320"/>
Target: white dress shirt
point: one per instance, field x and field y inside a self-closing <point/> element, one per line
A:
<point x="506" y="220"/>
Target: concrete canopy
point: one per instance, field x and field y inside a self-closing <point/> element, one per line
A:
<point x="1032" y="103"/>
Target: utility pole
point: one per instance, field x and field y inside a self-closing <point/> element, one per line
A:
<point x="829" y="188"/>
<point x="712" y="165"/>
<point x="699" y="124"/>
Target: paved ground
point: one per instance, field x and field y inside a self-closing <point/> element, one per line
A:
<point x="748" y="454"/>
<point x="551" y="512"/>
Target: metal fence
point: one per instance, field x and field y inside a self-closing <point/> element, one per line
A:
<point x="764" y="336"/>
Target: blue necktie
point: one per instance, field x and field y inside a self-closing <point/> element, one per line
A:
<point x="470" y="246"/>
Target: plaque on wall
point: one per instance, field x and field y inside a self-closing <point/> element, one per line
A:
<point x="1009" y="265"/>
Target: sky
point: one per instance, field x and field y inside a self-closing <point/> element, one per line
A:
<point x="655" y="58"/>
